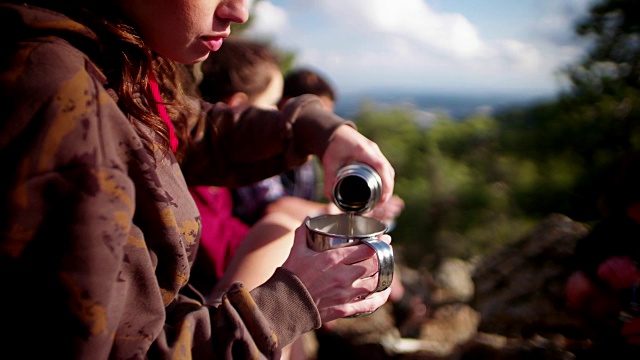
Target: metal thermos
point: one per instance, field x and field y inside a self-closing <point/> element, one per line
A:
<point x="357" y="188"/>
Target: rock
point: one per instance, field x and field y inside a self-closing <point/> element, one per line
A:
<point x="508" y="305"/>
<point x="520" y="288"/>
<point x="451" y="325"/>
<point x="454" y="282"/>
<point x="497" y="347"/>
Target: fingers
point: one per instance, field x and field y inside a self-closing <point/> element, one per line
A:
<point x="301" y="236"/>
<point x="378" y="162"/>
<point x="356" y="254"/>
<point x="348" y="145"/>
<point x="388" y="211"/>
<point x="366" y="285"/>
<point x="369" y="274"/>
<point x="386" y="238"/>
<point x="393" y="207"/>
<point x="365" y="305"/>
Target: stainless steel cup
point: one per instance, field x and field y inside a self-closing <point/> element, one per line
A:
<point x="334" y="231"/>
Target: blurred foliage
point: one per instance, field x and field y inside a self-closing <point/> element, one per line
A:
<point x="473" y="185"/>
<point x="457" y="184"/>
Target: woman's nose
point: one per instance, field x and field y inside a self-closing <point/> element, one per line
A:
<point x="235" y="11"/>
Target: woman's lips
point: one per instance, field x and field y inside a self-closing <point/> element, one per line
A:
<point x="213" y="43"/>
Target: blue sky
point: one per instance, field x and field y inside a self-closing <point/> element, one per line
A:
<point x="466" y="46"/>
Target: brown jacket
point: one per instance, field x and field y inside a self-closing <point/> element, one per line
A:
<point x="97" y="239"/>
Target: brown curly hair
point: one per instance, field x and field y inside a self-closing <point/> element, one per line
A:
<point x="126" y="62"/>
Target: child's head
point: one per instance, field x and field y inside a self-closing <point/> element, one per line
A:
<point x="242" y="72"/>
<point x="305" y="81"/>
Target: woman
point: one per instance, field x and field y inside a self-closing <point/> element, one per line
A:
<point x="99" y="229"/>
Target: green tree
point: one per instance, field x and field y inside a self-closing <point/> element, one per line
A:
<point x="580" y="138"/>
<point x="614" y="59"/>
<point x="453" y="180"/>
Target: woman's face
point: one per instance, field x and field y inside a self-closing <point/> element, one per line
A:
<point x="185" y="31"/>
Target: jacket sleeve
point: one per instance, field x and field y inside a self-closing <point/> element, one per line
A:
<point x="245" y="325"/>
<point x="238" y="146"/>
<point x="260" y="329"/>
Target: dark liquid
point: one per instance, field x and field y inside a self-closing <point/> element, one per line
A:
<point x="354" y="193"/>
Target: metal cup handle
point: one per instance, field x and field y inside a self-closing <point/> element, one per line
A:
<point x="384" y="252"/>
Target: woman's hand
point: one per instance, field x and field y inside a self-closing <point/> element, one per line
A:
<point x="348" y="145"/>
<point x="388" y="212"/>
<point x="339" y="280"/>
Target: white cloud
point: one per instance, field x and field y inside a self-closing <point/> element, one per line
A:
<point x="369" y="43"/>
<point x="521" y="56"/>
<point x="447" y="33"/>
<point x="267" y="19"/>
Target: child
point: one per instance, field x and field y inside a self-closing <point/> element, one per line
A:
<point x="293" y="191"/>
<point x="242" y="73"/>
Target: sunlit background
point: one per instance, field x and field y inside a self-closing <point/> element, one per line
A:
<point x="495" y="114"/>
<point x="460" y="46"/>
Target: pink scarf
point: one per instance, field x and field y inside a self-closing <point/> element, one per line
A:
<point x="162" y="111"/>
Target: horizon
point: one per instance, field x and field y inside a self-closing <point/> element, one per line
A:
<point x="458" y="104"/>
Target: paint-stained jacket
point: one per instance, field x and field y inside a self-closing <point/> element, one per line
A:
<point x="97" y="238"/>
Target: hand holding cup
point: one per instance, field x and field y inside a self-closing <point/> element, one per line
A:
<point x="342" y="281"/>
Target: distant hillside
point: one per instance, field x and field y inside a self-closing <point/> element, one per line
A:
<point x="458" y="106"/>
